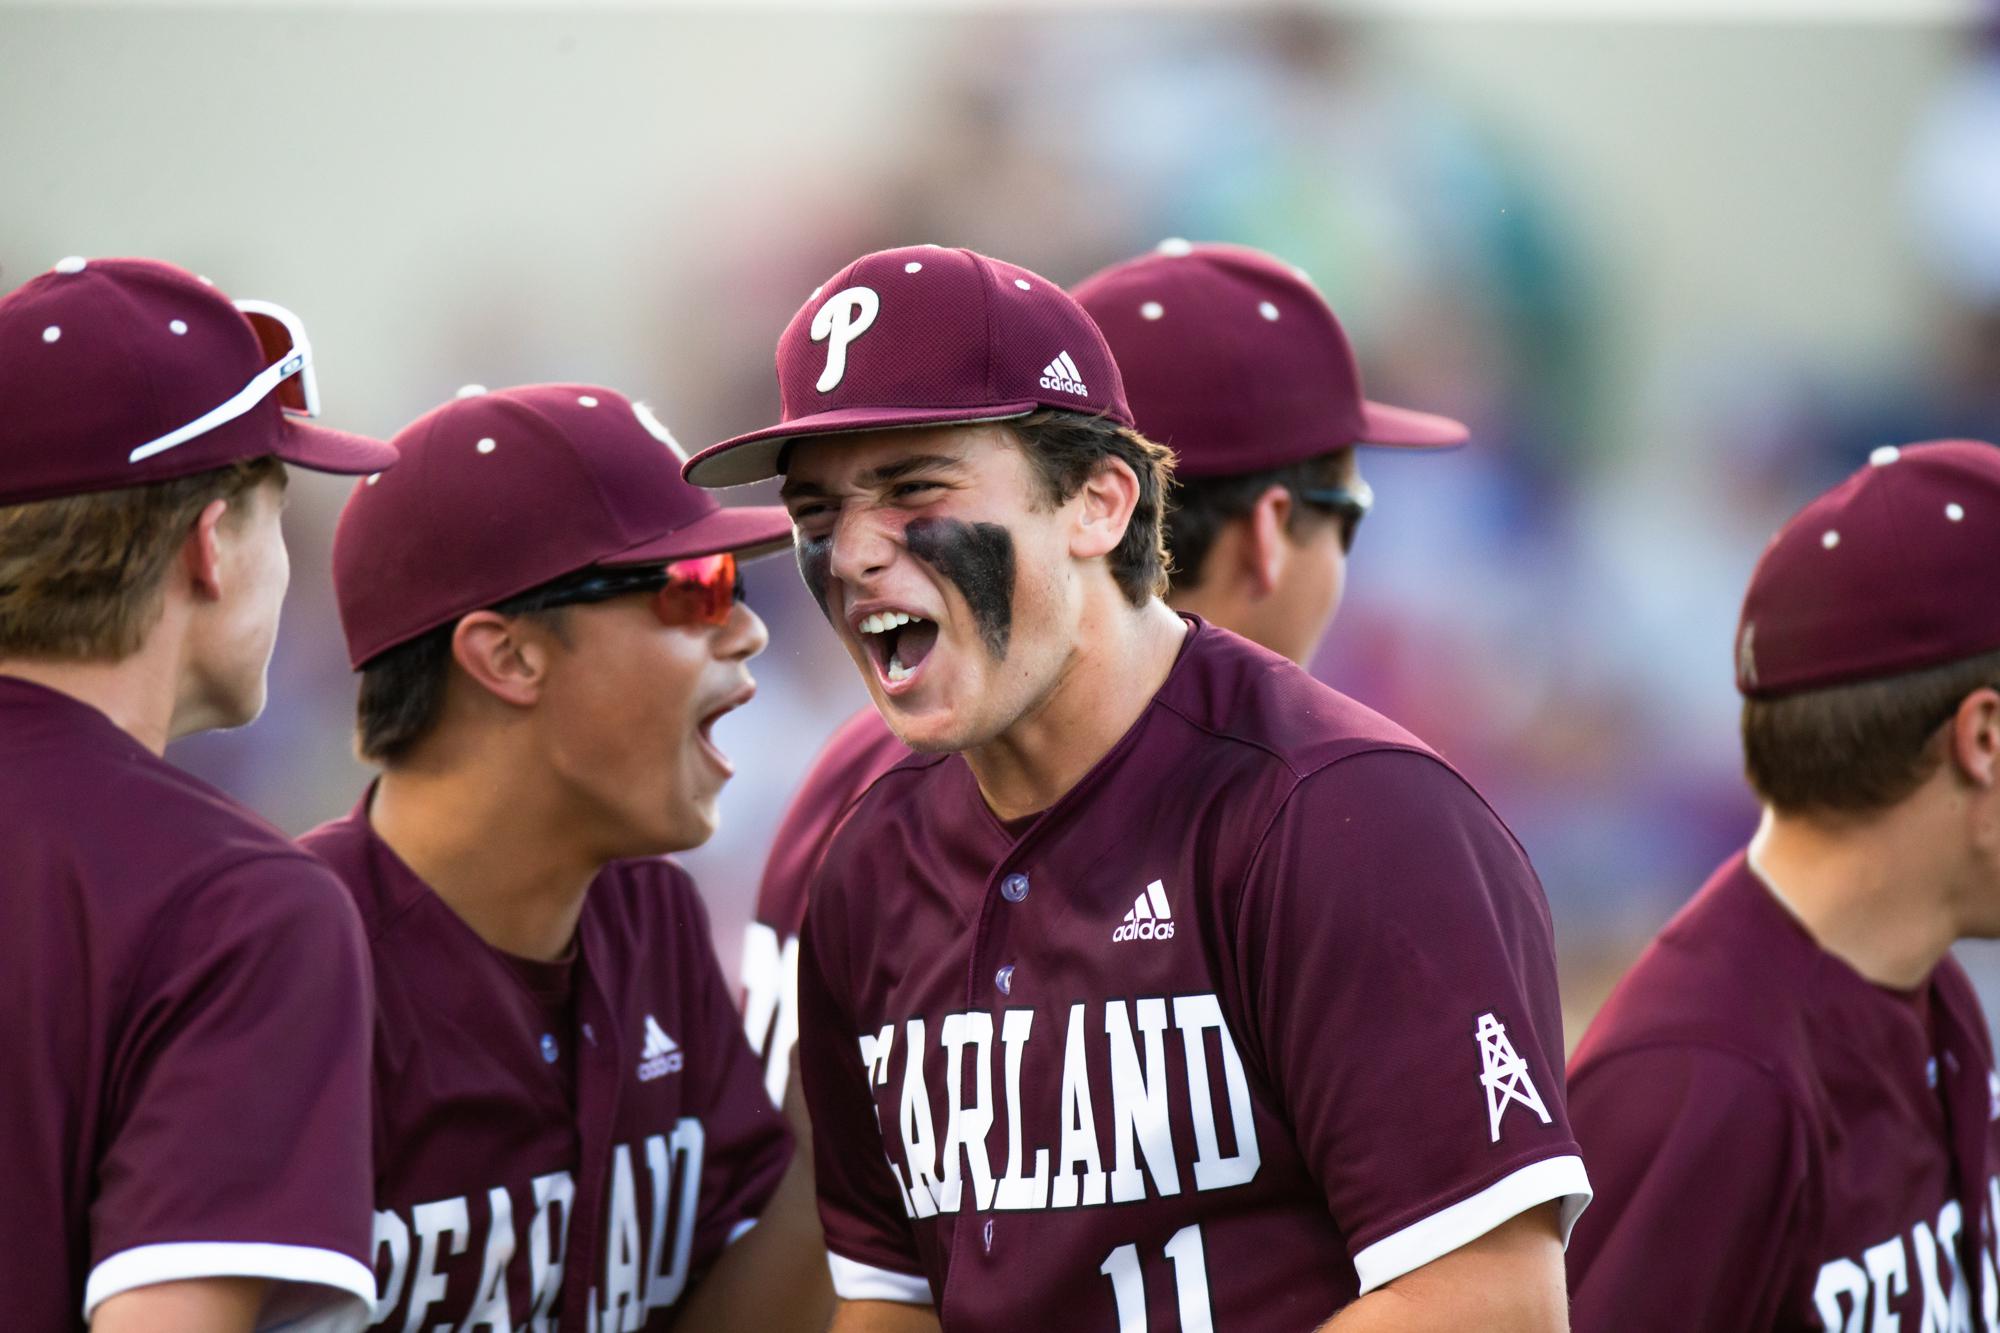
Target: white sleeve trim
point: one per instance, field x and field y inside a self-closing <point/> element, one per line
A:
<point x="859" y="1282"/>
<point x="305" y="1265"/>
<point x="739" y="1231"/>
<point x="1467" y="1220"/>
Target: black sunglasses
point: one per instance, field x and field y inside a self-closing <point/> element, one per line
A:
<point x="1348" y="504"/>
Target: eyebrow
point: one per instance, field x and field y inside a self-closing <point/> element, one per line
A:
<point x="881" y="476"/>
<point x="903" y="467"/>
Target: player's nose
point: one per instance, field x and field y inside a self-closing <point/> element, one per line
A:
<point x="742" y="636"/>
<point x="863" y="546"/>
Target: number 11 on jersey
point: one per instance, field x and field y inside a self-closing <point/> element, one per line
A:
<point x="1128" y="1283"/>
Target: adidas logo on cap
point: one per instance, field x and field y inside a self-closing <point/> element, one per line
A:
<point x="662" y="1054"/>
<point x="1063" y="375"/>
<point x="1149" y="919"/>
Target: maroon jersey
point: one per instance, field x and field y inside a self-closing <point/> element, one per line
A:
<point x="1778" y="1143"/>
<point x="558" y="1145"/>
<point x="1259" y="1016"/>
<point x="862" y="750"/>
<point x="183" y="1066"/>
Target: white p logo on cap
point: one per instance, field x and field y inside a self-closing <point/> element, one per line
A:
<point x="845" y="316"/>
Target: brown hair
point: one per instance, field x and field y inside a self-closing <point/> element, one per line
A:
<point x="1202" y="506"/>
<point x="1856" y="749"/>
<point x="1067" y="449"/>
<point x="81" y="576"/>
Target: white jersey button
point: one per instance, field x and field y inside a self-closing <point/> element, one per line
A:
<point x="1014" y="888"/>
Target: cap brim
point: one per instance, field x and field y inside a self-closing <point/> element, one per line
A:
<point x="754" y="457"/>
<point x="323" y="449"/>
<point x="1405" y="428"/>
<point x="746" y="533"/>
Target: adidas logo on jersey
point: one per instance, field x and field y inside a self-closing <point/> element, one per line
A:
<point x="1149" y="919"/>
<point x="662" y="1054"/>
<point x="1062" y="374"/>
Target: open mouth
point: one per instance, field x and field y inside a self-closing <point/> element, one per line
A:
<point x="897" y="643"/>
<point x="704" y="730"/>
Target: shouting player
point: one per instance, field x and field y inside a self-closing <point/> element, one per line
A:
<point x="183" y="1069"/>
<point x="1164" y="987"/>
<point x="1789" y="1102"/>
<point x="571" y="1129"/>
<point x="1262" y="414"/>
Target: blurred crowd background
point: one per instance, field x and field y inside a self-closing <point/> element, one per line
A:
<point x="1677" y="275"/>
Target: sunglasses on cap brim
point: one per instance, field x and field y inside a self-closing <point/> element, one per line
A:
<point x="287" y="371"/>
<point x="701" y="590"/>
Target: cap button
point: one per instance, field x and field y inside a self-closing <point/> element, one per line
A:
<point x="1176" y="245"/>
<point x="71" y="264"/>
<point x="1884" y="455"/>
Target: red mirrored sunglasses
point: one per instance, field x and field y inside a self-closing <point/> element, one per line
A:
<point x="701" y="590"/>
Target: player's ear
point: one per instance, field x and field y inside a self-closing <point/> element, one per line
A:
<point x="1266" y="541"/>
<point x="1974" y="737"/>
<point x="502" y="659"/>
<point x="1104" y="508"/>
<point x="201" y="553"/>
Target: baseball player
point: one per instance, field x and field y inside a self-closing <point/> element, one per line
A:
<point x="1164" y="987"/>
<point x="183" y="1067"/>
<point x="1789" y="1102"/>
<point x="570" y="1127"/>
<point x="1262" y="419"/>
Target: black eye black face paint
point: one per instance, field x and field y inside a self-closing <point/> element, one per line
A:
<point x="979" y="558"/>
<point x="815" y="566"/>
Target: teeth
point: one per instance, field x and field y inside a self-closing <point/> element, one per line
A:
<point x="883" y="621"/>
<point x="897" y="671"/>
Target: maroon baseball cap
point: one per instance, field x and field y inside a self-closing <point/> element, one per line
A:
<point x="1893" y="570"/>
<point x="121" y="372"/>
<point x="924" y="336"/>
<point x="497" y="493"/>
<point x="1234" y="361"/>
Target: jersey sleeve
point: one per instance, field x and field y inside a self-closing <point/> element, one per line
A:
<point x="746" y="1141"/>
<point x="238" y="1135"/>
<point x="1699" y="1162"/>
<point x="861" y="750"/>
<point x="871" y="1247"/>
<point x="1398" y="961"/>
